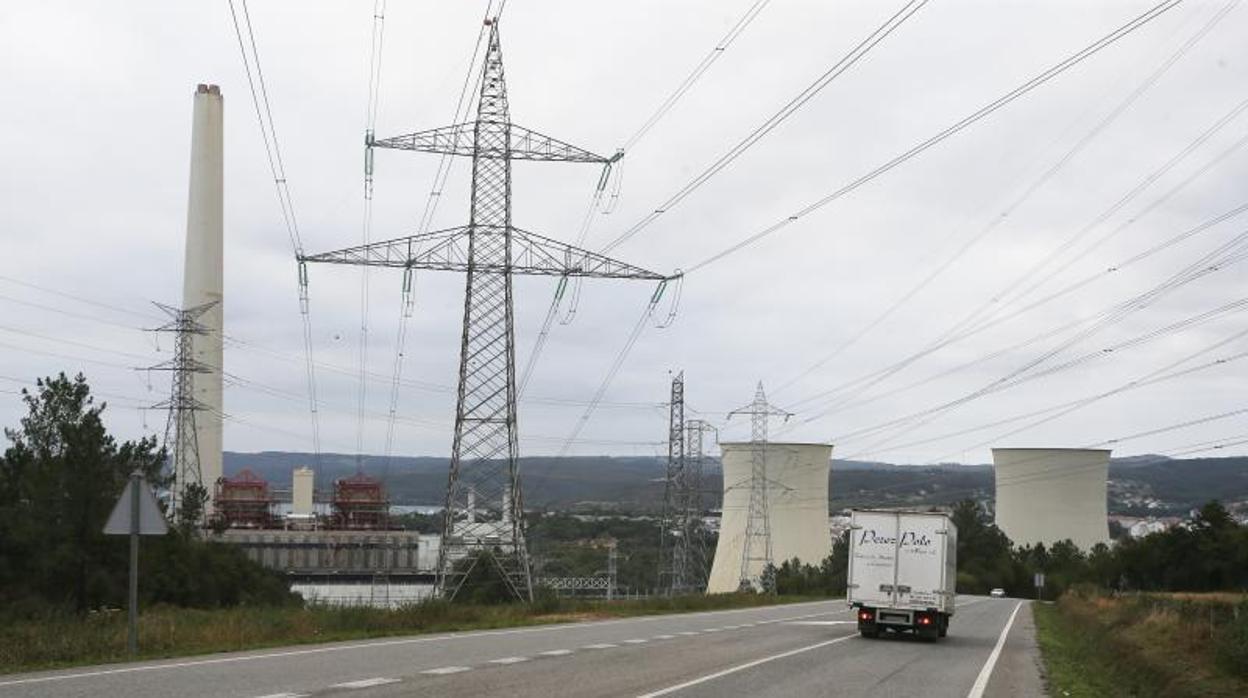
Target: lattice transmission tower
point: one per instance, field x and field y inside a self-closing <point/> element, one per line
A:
<point x="694" y="502"/>
<point x="757" y="545"/>
<point x="489" y="250"/>
<point x="673" y="531"/>
<point x="181" y="440"/>
<point x="682" y="543"/>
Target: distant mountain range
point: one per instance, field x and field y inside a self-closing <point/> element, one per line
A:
<point x="1138" y="484"/>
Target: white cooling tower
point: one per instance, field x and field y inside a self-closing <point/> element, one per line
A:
<point x="1046" y="495"/>
<point x="797" y="496"/>
<point x="203" y="272"/>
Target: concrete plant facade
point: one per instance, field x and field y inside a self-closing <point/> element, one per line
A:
<point x="1046" y="495"/>
<point x="797" y="499"/>
<point x="203" y="272"/>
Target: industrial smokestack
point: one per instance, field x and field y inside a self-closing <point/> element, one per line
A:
<point x="202" y="279"/>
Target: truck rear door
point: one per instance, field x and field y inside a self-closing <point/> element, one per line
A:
<point x="873" y="558"/>
<point x="920" y="562"/>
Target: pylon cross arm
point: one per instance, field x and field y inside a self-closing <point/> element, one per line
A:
<point x="521" y="144"/>
<point x="447" y="250"/>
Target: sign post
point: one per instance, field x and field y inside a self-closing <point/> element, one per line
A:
<point x="1039" y="582"/>
<point x="136" y="514"/>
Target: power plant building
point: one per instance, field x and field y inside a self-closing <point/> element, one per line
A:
<point x="797" y="503"/>
<point x="1046" y="495"/>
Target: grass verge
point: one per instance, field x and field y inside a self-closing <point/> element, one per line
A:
<point x="58" y="639"/>
<point x="1144" y="645"/>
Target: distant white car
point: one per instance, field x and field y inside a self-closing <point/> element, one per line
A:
<point x="997" y="593"/>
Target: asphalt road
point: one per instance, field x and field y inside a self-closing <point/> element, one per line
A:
<point x="794" y="650"/>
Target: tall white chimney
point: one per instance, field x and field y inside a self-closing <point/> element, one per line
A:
<point x="202" y="278"/>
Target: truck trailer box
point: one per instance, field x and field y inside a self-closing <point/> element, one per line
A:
<point x="902" y="571"/>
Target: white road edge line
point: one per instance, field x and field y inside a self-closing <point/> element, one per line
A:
<point x="981" y="681"/>
<point x="365" y="683"/>
<point x="403" y="641"/>
<point x="743" y="667"/>
<point x="286" y="695"/>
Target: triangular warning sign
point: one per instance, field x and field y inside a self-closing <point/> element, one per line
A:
<point x="151" y="520"/>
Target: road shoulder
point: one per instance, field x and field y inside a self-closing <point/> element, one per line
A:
<point x="1018" y="672"/>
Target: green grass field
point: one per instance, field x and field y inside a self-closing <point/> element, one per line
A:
<point x="59" y="639"/>
<point x="1144" y="645"/>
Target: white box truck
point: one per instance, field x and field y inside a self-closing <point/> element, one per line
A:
<point x="903" y="571"/>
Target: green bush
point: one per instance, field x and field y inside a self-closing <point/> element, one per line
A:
<point x="1231" y="643"/>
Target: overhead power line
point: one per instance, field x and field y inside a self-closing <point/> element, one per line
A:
<point x="846" y="62"/>
<point x="983" y="112"/>
<point x="272" y="148"/>
<point x="366" y="228"/>
<point x="845" y="393"/>
<point x="562" y="288"/>
<point x="696" y="74"/>
<point x="999" y="219"/>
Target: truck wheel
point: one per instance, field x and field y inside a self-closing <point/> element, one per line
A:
<point x="869" y="631"/>
<point x="942" y="628"/>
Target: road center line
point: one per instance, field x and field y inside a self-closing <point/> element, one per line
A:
<point x="509" y="660"/>
<point x="822" y="622"/>
<point x="555" y="653"/>
<point x="447" y="670"/>
<point x="981" y="681"/>
<point x="600" y="646"/>
<point x="743" y="667"/>
<point x="365" y="683"/>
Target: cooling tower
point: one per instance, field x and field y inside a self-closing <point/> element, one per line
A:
<point x="1046" y="495"/>
<point x="203" y="272"/>
<point x="797" y="496"/>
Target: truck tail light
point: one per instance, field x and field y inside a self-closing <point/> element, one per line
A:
<point x="865" y="616"/>
<point x="925" y="620"/>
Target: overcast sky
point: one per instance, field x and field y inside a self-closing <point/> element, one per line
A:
<point x="95" y="146"/>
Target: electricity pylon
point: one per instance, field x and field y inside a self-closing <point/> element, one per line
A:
<point x="682" y="542"/>
<point x="695" y="462"/>
<point x="674" y="528"/>
<point x="182" y="404"/>
<point x="489" y="251"/>
<point x="757" y="547"/>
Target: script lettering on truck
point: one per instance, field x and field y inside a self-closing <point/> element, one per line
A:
<point x="908" y="539"/>
<point x="869" y="536"/>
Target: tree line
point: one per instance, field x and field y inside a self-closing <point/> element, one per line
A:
<point x="60" y="476"/>
<point x="1208" y="553"/>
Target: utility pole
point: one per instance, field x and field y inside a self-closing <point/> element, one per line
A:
<point x="757" y="547"/>
<point x="674" y="527"/>
<point x="490" y="251"/>
<point x="181" y="436"/>
<point x="612" y="569"/>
